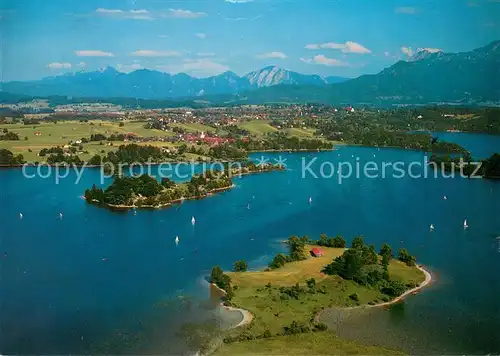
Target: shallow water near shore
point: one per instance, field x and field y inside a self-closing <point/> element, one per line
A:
<point x="98" y="280"/>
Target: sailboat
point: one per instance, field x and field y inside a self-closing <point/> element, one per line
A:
<point x="60" y="216"/>
<point x="310" y="200"/>
<point x="21" y="216"/>
<point x="193" y="220"/>
<point x="465" y="224"/>
<point x="432" y="227"/>
<point x="445" y="197"/>
<point x="177" y="240"/>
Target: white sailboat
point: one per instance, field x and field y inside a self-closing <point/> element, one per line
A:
<point x="465" y="224"/>
<point x="445" y="197"/>
<point x="431" y="227"/>
<point x="21" y="216"/>
<point x="310" y="200"/>
<point x="177" y="240"/>
<point x="60" y="216"/>
<point x="193" y="220"/>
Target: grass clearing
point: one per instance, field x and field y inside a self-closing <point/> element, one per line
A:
<point x="257" y="127"/>
<point x="194" y="127"/>
<point x="60" y="133"/>
<point x="301" y="133"/>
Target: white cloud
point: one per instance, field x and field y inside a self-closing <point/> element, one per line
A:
<point x="93" y="53"/>
<point x="126" y="68"/>
<point x="279" y="55"/>
<point x="163" y="36"/>
<point x="205" y="54"/>
<point x="348" y="47"/>
<point x="407" y="50"/>
<point x="184" y="14"/>
<point x="81" y="64"/>
<point x="108" y="11"/>
<point x="201" y="35"/>
<point x="140" y="14"/>
<point x="57" y="65"/>
<point x="197" y="67"/>
<point x="321" y="59"/>
<point x="238" y="1"/>
<point x="406" y="10"/>
<point x="152" y="53"/>
<point x="387" y="54"/>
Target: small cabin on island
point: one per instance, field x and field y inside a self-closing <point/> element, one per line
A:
<point x="317" y="252"/>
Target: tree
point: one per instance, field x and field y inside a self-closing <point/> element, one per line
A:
<point x="240" y="266"/>
<point x="405" y="257"/>
<point x="386" y="250"/>
<point x="95" y="160"/>
<point x="278" y="261"/>
<point x="357" y="242"/>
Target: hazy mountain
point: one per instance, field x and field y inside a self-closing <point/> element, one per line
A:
<point x="149" y="84"/>
<point x="272" y="75"/>
<point x="467" y="77"/>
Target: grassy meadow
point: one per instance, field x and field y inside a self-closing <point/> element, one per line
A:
<point x="60" y="133"/>
<point x="258" y="292"/>
<point x="257" y="127"/>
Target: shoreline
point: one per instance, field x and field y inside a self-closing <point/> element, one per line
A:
<point x="413" y="291"/>
<point x="248" y="317"/>
<point x="166" y="205"/>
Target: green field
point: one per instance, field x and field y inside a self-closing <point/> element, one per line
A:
<point x="257" y="127"/>
<point x="271" y="312"/>
<point x="301" y="133"/>
<point x="60" y="133"/>
<point x="194" y="127"/>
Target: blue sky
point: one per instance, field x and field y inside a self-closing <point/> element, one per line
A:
<point x="206" y="37"/>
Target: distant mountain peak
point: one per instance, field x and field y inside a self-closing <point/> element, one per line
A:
<point x="425" y="53"/>
<point x="108" y="69"/>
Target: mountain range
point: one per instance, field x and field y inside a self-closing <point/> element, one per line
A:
<point x="150" y="84"/>
<point x="428" y="76"/>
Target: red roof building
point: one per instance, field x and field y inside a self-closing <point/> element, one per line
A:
<point x="317" y="252"/>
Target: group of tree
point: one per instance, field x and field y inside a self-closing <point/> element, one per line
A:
<point x="227" y="151"/>
<point x="112" y="137"/>
<point x="362" y="264"/>
<point x="280" y="141"/>
<point x="9" y="136"/>
<point x="488" y="168"/>
<point x="326" y="241"/>
<point x="145" y="190"/>
<point x="296" y="246"/>
<point x="52" y="150"/>
<point x="7" y="158"/>
<point x="123" y="190"/>
<point x="223" y="281"/>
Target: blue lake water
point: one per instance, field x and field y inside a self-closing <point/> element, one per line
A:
<point x="101" y="280"/>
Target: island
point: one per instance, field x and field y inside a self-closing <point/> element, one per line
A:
<point x="282" y="306"/>
<point x="145" y="191"/>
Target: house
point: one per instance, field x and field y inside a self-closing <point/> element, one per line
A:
<point x="317" y="252"/>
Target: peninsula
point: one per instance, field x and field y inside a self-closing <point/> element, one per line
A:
<point x="284" y="303"/>
<point x="146" y="192"/>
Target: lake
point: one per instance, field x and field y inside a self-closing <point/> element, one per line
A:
<point x="102" y="281"/>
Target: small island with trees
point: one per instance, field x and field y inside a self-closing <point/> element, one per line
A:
<point x="146" y="192"/>
<point x="285" y="302"/>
